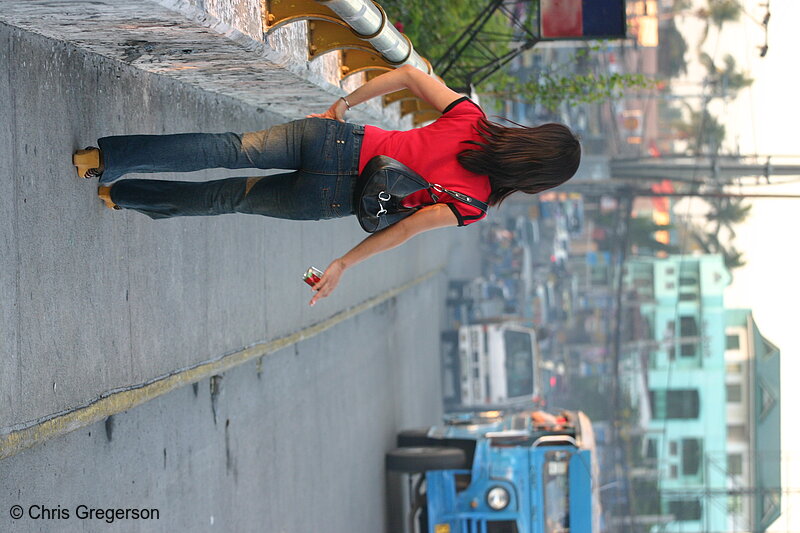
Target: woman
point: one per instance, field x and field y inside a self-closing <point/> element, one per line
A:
<point x="461" y="151"/>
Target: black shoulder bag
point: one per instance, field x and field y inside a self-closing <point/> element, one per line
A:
<point x="382" y="187"/>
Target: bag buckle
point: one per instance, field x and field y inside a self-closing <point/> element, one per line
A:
<point x="385" y="197"/>
<point x="438" y="188"/>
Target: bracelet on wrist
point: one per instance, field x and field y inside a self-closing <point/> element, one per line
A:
<point x="343" y="99"/>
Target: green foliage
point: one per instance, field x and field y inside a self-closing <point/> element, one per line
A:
<point x="723" y="213"/>
<point x="560" y="84"/>
<point x="703" y="129"/>
<point x="433" y="25"/>
<point x="641" y="235"/>
<point x="671" y="50"/>
<point x="722" y="11"/>
<point x="710" y="244"/>
<point x="727" y="212"/>
<point x="554" y="88"/>
<point x="727" y="80"/>
<point x="718" y="12"/>
<point x="680" y="5"/>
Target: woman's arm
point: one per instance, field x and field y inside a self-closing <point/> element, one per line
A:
<point x="427" y="218"/>
<point x="420" y="84"/>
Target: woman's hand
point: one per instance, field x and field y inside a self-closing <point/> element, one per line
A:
<point x="328" y="281"/>
<point x="334" y="112"/>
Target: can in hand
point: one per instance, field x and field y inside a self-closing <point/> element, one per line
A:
<point x="312" y="276"/>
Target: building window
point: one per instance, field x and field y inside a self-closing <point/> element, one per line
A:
<point x="734" y="368"/>
<point x="691" y="456"/>
<point x="652" y="449"/>
<point x="731" y="342"/>
<point x="688" y="349"/>
<point x="735" y="464"/>
<point x="735" y="505"/>
<point x="673" y="471"/>
<point x="685" y="510"/>
<point x="673" y="447"/>
<point x="737" y="432"/>
<point x="733" y="392"/>
<point x="688" y="326"/>
<point x="687" y="297"/>
<point x="687" y="281"/>
<point x="670" y="271"/>
<point x="675" y="404"/>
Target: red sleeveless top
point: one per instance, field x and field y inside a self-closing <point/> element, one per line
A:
<point x="431" y="152"/>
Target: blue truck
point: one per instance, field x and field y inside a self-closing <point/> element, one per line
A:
<point x="499" y="472"/>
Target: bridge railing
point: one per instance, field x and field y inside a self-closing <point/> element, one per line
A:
<point x="361" y="33"/>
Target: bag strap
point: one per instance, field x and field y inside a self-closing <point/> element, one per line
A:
<point x="460" y="196"/>
<point x="383" y="162"/>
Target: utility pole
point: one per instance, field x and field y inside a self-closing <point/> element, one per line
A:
<point x="620" y="190"/>
<point x="622" y="231"/>
<point x="717" y="169"/>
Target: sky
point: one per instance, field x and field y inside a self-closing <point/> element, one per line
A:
<point x="764" y="120"/>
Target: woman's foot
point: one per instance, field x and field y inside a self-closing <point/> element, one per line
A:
<point x="104" y="192"/>
<point x="89" y="162"/>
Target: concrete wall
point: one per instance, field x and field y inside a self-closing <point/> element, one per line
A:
<point x="215" y="45"/>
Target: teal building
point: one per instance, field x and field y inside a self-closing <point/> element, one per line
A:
<point x="701" y="407"/>
<point x="752" y="384"/>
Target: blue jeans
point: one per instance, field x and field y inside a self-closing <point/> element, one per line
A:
<point x="321" y="154"/>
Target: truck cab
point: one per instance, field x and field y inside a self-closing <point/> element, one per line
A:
<point x="490" y="364"/>
<point x="496" y="472"/>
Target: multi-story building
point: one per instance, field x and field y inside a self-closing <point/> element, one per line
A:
<point x="686" y="382"/>
<point x="752" y="455"/>
<point x="711" y="409"/>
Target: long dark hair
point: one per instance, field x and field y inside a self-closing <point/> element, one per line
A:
<point x="522" y="158"/>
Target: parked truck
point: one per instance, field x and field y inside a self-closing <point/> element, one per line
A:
<point x="496" y="472"/>
<point x="490" y="364"/>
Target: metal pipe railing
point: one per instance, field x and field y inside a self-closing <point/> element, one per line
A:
<point x="369" y="21"/>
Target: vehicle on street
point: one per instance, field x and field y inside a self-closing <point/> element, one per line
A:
<point x="489" y="363"/>
<point x="498" y="472"/>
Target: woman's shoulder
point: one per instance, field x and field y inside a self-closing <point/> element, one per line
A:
<point x="463" y="105"/>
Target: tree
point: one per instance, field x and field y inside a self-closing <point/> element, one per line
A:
<point x="726" y="212"/>
<point x="724" y="81"/>
<point x="717" y="13"/>
<point x="641" y="235"/>
<point x="557" y="86"/>
<point x="710" y="244"/>
<point x="702" y="129"/>
<point x="681" y="5"/>
<point x="722" y="11"/>
<point x="671" y="50"/>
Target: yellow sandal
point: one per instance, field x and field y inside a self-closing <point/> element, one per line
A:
<point x="104" y="192"/>
<point x="88" y="162"/>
